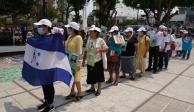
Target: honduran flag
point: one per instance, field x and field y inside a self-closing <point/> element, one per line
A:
<point x="45" y="61"/>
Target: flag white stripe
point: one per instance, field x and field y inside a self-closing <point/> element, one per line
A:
<point x="46" y="59"/>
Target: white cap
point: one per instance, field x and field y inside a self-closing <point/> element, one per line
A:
<point x="141" y="29"/>
<point x="163" y="27"/>
<point x="44" y="22"/>
<point x="93" y="26"/>
<point x="129" y="29"/>
<point x="73" y="25"/>
<point x="95" y="29"/>
<point x="184" y="31"/>
<point x="114" y="28"/>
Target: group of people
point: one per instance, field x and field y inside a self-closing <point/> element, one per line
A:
<point x="116" y="53"/>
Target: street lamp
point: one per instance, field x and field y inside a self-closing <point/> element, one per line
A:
<point x="138" y="6"/>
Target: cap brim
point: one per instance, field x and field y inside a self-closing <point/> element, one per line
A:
<point x="139" y="30"/>
<point x="67" y="26"/>
<point x="111" y="31"/>
<point x="37" y="24"/>
<point x="91" y="29"/>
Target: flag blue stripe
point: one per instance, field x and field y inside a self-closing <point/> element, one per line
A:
<point x="53" y="42"/>
<point x="38" y="77"/>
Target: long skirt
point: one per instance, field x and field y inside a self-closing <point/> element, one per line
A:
<point x="128" y="64"/>
<point x="95" y="74"/>
<point x="140" y="63"/>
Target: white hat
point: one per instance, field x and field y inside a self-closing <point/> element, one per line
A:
<point x="129" y="29"/>
<point x="184" y="31"/>
<point x="44" y="22"/>
<point x="141" y="29"/>
<point x="93" y="26"/>
<point x="73" y="25"/>
<point x="162" y="27"/>
<point x="95" y="29"/>
<point x="114" y="28"/>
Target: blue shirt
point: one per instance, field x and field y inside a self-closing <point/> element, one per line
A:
<point x="187" y="43"/>
<point x="114" y="47"/>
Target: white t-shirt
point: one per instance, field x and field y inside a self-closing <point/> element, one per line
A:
<point x="96" y="43"/>
<point x="178" y="44"/>
<point x="162" y="40"/>
<point x="168" y="40"/>
<point x="173" y="38"/>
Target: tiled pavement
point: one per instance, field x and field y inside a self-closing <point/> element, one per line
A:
<point x="168" y="91"/>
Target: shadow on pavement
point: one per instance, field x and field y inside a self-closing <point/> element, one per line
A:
<point x="9" y="107"/>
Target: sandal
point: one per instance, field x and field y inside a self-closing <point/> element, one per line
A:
<point x="90" y="91"/>
<point x="97" y="93"/>
<point x="109" y="81"/>
<point x="78" y="98"/>
<point x="115" y="83"/>
<point x="70" y="96"/>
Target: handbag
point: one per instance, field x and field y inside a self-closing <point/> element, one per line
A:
<point x="113" y="56"/>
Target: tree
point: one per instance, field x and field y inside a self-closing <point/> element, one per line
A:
<point x="161" y="9"/>
<point x="65" y="8"/>
<point x="77" y="6"/>
<point x="16" y="7"/>
<point x="106" y="12"/>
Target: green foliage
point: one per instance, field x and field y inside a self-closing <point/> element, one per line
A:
<point x="16" y="7"/>
<point x="106" y="11"/>
<point x="159" y="8"/>
<point x="128" y="22"/>
<point x="77" y="6"/>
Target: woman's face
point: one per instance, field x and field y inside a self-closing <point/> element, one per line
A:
<point x="70" y="31"/>
<point x="128" y="34"/>
<point x="140" y="33"/>
<point x="43" y="30"/>
<point x="93" y="34"/>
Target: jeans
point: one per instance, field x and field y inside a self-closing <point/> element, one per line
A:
<point x="167" y="57"/>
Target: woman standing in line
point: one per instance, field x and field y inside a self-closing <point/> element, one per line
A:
<point x="142" y="49"/>
<point x="95" y="71"/>
<point x="74" y="44"/>
<point x="128" y="54"/>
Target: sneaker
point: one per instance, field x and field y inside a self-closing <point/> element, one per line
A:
<point x="148" y="70"/>
<point x="48" y="109"/>
<point x="132" y="77"/>
<point x="154" y="71"/>
<point x="42" y="106"/>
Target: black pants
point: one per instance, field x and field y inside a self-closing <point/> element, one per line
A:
<point x="186" y="52"/>
<point x="153" y="56"/>
<point x="161" y="59"/>
<point x="49" y="93"/>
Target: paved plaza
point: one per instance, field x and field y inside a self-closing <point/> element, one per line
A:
<point x="171" y="90"/>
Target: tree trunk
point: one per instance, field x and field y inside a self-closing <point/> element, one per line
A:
<point x="77" y="18"/>
<point x="67" y="15"/>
